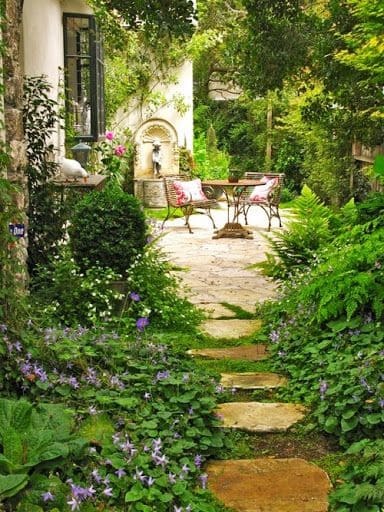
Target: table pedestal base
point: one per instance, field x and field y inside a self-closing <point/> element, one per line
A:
<point x="233" y="230"/>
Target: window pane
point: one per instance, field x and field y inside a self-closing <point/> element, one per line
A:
<point x="84" y="76"/>
<point x="78" y="74"/>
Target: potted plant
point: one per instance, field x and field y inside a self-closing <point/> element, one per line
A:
<point x="234" y="174"/>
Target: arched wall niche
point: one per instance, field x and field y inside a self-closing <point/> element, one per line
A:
<point x="150" y="131"/>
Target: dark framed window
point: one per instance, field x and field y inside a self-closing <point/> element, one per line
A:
<point x="84" y="76"/>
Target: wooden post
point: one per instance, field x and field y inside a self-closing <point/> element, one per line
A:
<point x="268" y="152"/>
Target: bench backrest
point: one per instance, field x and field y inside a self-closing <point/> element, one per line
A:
<point x="170" y="191"/>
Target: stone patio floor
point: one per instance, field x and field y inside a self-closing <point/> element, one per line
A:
<point x="217" y="272"/>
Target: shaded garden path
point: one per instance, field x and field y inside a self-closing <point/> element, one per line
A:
<point x="217" y="275"/>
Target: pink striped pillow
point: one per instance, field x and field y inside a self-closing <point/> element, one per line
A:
<point x="189" y="191"/>
<point x="261" y="192"/>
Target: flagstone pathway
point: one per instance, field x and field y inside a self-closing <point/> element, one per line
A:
<point x="217" y="272"/>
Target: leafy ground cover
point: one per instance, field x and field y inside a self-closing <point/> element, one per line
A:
<point x="326" y="334"/>
<point x="141" y="417"/>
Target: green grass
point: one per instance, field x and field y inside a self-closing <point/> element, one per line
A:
<point x="240" y="313"/>
<point x="233" y="366"/>
<point x="161" y="213"/>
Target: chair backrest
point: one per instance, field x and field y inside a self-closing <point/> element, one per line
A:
<point x="253" y="175"/>
<point x="275" y="194"/>
<point x="170" y="191"/>
<point x="267" y="193"/>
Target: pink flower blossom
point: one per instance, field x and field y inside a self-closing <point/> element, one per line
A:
<point x="120" y="150"/>
<point x="109" y="135"/>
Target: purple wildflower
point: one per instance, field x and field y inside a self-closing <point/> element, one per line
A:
<point x="323" y="386"/>
<point x="95" y="474"/>
<point x="74" y="504"/>
<point x="203" y="479"/>
<point x="120" y="473"/>
<point x="18" y="346"/>
<point x="48" y="496"/>
<point x="198" y="460"/>
<point x="163" y="375"/>
<point x="139" y="475"/>
<point x="40" y="373"/>
<point x="365" y="384"/>
<point x="172" y="478"/>
<point x="108" y="491"/>
<point x="134" y="296"/>
<point x="274" y="336"/>
<point x="116" y="382"/>
<point x="73" y="382"/>
<point x="160" y="460"/>
<point x="142" y="323"/>
<point x="150" y="481"/>
<point x="116" y="438"/>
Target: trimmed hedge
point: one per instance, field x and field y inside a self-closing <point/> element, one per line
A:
<point x="108" y="228"/>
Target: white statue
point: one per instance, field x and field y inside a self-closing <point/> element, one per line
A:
<point x="156" y="158"/>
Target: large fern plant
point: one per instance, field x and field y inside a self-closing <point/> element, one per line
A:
<point x="363" y="487"/>
<point x="297" y="246"/>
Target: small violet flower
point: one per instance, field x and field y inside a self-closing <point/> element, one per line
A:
<point x="134" y="296"/>
<point x="48" y="496"/>
<point x="120" y="473"/>
<point x="142" y="323"/>
<point x="204" y="480"/>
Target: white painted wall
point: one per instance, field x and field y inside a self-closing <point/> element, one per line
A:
<point x="182" y="124"/>
<point x="43" y="42"/>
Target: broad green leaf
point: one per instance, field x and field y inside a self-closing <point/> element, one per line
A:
<point x="331" y="424"/>
<point x="179" y="488"/>
<point x="21" y="415"/>
<point x="349" y="413"/>
<point x="12" y="484"/>
<point x="13" y="447"/>
<point x="127" y="402"/>
<point x="378" y="165"/>
<point x="135" y="494"/>
<point x="349" y="424"/>
<point x="373" y="419"/>
<point x="347" y="495"/>
<point x="6" y="465"/>
<point x="97" y="428"/>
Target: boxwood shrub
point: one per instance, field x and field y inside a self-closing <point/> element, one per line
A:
<point x="108" y="229"/>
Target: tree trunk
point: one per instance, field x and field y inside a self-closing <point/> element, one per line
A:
<point x="13" y="121"/>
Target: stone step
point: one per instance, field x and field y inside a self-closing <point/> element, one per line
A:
<point x="243" y="353"/>
<point x="252" y="380"/>
<point x="232" y="328"/>
<point x="269" y="485"/>
<point x="260" y="416"/>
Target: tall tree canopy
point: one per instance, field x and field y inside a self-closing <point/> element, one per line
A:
<point x="155" y="17"/>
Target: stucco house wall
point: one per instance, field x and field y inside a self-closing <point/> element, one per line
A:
<point x="43" y="44"/>
<point x="174" y="129"/>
